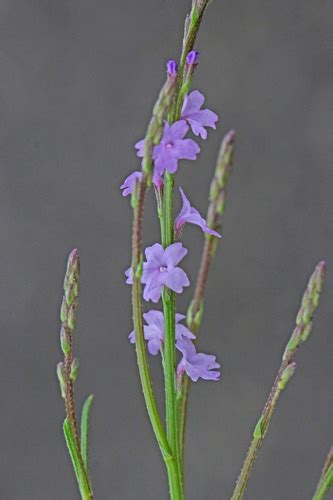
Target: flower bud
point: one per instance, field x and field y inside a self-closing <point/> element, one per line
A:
<point x="62" y="378"/>
<point x="71" y="317"/>
<point x="65" y="346"/>
<point x="74" y="369"/>
<point x="192" y="59"/>
<point x="172" y="68"/>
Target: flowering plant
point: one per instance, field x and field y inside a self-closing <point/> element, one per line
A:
<point x="156" y="275"/>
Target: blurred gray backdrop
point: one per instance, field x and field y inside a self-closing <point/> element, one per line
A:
<point x="77" y="82"/>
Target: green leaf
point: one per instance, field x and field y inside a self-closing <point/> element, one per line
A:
<point x="85" y="428"/>
<point x="79" y="470"/>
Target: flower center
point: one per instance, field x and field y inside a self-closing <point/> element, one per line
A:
<point x="169" y="145"/>
<point x="162" y="269"/>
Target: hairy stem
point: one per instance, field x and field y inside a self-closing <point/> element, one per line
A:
<point x="300" y="334"/>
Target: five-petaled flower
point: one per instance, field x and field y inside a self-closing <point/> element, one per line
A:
<point x="196" y="117"/>
<point x="161" y="270"/>
<point x="173" y="147"/>
<point x="154" y="331"/>
<point x="196" y="364"/>
<point x="192" y="216"/>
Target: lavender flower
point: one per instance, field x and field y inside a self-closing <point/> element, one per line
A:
<point x="154" y="331"/>
<point x="161" y="270"/>
<point x="196" y="365"/>
<point x="192" y="216"/>
<point x="198" y="118"/>
<point x="173" y="147"/>
<point x="129" y="183"/>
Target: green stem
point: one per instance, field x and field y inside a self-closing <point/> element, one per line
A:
<point x="326" y="479"/>
<point x="169" y="353"/>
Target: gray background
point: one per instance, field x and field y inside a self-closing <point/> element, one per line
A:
<point x="77" y="82"/>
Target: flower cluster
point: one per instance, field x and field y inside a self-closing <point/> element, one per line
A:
<point x="161" y="270"/>
<point x="196" y="365"/>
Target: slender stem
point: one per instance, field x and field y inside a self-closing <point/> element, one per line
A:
<point x="300" y="334"/>
<point x="326" y="478"/>
<point x="216" y="208"/>
<point x="169" y="352"/>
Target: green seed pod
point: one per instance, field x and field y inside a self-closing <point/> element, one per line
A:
<point x="286" y="375"/>
<point x="71" y="317"/>
<point x="63" y="311"/>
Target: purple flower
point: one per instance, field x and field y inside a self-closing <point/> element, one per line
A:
<point x="173" y="147"/>
<point x="129" y="183"/>
<point x="161" y="270"/>
<point x="196" y="365"/>
<point x="154" y="331"/>
<point x="191" y="215"/>
<point x="198" y="118"/>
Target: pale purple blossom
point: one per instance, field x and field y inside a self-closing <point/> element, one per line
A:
<point x="196" y="117"/>
<point x="129" y="183"/>
<point x="192" y="216"/>
<point x="173" y="147"/>
<point x="196" y="364"/>
<point x="154" y="331"/>
<point x="161" y="270"/>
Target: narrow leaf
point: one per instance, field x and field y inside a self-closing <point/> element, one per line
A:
<point x="85" y="429"/>
<point x="80" y="473"/>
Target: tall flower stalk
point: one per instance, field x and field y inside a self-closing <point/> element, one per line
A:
<point x="156" y="275"/>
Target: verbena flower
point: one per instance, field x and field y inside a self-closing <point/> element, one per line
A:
<point x="196" y="117"/>
<point x="192" y="216"/>
<point x="196" y="365"/>
<point x="154" y="331"/>
<point x="173" y="147"/>
<point x="161" y="270"/>
<point x="129" y="183"/>
<point x="192" y="58"/>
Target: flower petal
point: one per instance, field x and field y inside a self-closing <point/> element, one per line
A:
<point x="176" y="279"/>
<point x="174" y="253"/>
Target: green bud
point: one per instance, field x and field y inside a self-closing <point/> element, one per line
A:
<point x="63" y="311"/>
<point x="71" y="293"/>
<point x="71" y="317"/>
<point x="74" y="369"/>
<point x="258" y="430"/>
<point x="306" y="331"/>
<point x="138" y="272"/>
<point x="62" y="378"/>
<point x="286" y="375"/>
<point x="65" y="346"/>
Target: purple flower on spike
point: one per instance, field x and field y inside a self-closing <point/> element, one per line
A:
<point x="196" y="365"/>
<point x="173" y="147"/>
<point x="129" y="183"/>
<point x="196" y="117"/>
<point x="161" y="270"/>
<point x="192" y="216"/>
<point x="154" y="331"/>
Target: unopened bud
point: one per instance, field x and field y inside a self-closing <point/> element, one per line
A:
<point x="71" y="317"/>
<point x="65" y="346"/>
<point x="74" y="369"/>
<point x="192" y="58"/>
<point x="62" y="378"/>
<point x="286" y="375"/>
<point x="63" y="310"/>
<point x="172" y="68"/>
